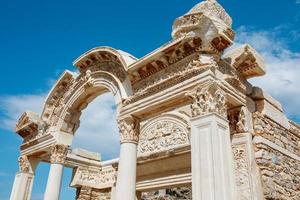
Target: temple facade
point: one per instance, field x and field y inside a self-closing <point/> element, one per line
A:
<point x="191" y="125"/>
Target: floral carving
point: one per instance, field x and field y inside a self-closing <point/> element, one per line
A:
<point x="58" y="153"/>
<point x="208" y="99"/>
<point x="242" y="174"/>
<point x="24" y="165"/>
<point x="162" y="135"/>
<point x="129" y="130"/>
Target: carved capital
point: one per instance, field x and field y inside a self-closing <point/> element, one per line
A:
<point x="239" y="120"/>
<point x="24" y="164"/>
<point x="58" y="153"/>
<point x="129" y="130"/>
<point x="208" y="98"/>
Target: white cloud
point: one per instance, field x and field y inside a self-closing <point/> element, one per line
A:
<point x="283" y="67"/>
<point x="12" y="108"/>
<point x="297" y="1"/>
<point x="98" y="130"/>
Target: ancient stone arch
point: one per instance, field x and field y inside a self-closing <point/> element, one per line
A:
<point x="187" y="117"/>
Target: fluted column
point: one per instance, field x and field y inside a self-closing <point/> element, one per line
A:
<point x="212" y="159"/>
<point x="57" y="159"/>
<point x="126" y="178"/>
<point x="23" y="180"/>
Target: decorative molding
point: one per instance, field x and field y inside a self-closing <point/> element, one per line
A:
<point x="58" y="154"/>
<point x="208" y="98"/>
<point x="162" y="134"/>
<point x="169" y="77"/>
<point x="94" y="178"/>
<point x="242" y="171"/>
<point x="24" y="164"/>
<point x="129" y="130"/>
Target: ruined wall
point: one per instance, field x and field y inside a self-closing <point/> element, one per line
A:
<point x="181" y="193"/>
<point x="87" y="193"/>
<point x="277" y="152"/>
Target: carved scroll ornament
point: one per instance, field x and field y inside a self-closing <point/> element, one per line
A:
<point x="58" y="153"/>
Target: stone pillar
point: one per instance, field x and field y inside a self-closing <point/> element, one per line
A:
<point x="113" y="193"/>
<point x="57" y="159"/>
<point x="126" y="178"/>
<point x="23" y="180"/>
<point x="212" y="158"/>
<point x="248" y="180"/>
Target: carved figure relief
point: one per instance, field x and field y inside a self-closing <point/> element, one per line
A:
<point x="162" y="134"/>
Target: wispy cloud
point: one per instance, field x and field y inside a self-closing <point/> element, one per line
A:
<point x="283" y="67"/>
<point x="11" y="108"/>
<point x="297" y="1"/>
<point x="98" y="129"/>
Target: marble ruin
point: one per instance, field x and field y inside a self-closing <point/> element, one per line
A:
<point x="191" y="125"/>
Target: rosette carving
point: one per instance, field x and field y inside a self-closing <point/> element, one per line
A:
<point x="129" y="130"/>
<point x="208" y="99"/>
<point x="58" y="153"/>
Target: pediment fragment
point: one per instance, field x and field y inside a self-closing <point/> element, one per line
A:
<point x="246" y="60"/>
<point x="28" y="124"/>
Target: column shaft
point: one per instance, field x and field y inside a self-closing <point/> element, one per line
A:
<point x="212" y="163"/>
<point x="22" y="186"/>
<point x="126" y="179"/>
<point x="54" y="182"/>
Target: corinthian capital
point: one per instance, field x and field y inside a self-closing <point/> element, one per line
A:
<point x="58" y="153"/>
<point x="24" y="164"/>
<point x="208" y="98"/>
<point x="129" y="130"/>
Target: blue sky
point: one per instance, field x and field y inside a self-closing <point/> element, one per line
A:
<point x="40" y="39"/>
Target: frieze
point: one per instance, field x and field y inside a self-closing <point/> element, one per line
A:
<point x="165" y="79"/>
<point x="100" y="179"/>
<point x="162" y="134"/>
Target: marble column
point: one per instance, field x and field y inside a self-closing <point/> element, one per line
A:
<point x="211" y="153"/>
<point x="126" y="178"/>
<point x="23" y="180"/>
<point x="57" y="159"/>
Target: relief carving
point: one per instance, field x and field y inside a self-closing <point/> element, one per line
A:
<point x="100" y="179"/>
<point x="238" y="120"/>
<point x="129" y="130"/>
<point x="58" y="153"/>
<point x="242" y="174"/>
<point x="161" y="135"/>
<point x="208" y="99"/>
<point x="24" y="164"/>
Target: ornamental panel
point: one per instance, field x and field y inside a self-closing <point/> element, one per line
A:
<point x="163" y="134"/>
